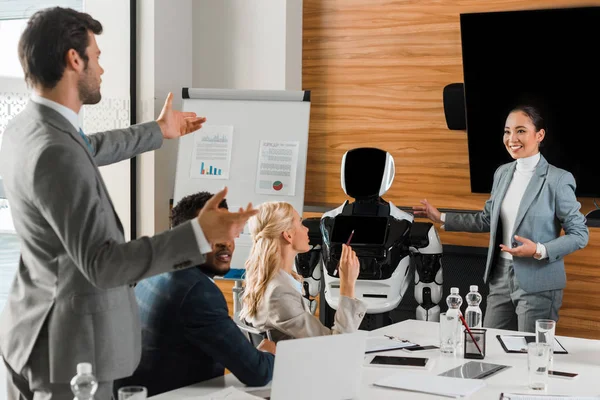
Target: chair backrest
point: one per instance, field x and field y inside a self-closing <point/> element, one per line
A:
<point x="254" y="335"/>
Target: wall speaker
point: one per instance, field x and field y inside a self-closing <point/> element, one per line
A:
<point x="454" y="106"/>
<point x="593" y="218"/>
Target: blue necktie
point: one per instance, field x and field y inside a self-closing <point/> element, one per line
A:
<point x="87" y="141"/>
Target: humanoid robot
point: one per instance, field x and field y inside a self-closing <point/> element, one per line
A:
<point x="389" y="244"/>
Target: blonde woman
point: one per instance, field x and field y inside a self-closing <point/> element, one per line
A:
<point x="273" y="293"/>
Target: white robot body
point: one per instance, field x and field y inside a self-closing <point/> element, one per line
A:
<point x="379" y="295"/>
<point x="387" y="241"/>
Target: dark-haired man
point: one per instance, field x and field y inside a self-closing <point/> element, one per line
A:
<point x="72" y="299"/>
<point x="187" y="334"/>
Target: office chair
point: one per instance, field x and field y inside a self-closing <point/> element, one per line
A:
<point x="255" y="336"/>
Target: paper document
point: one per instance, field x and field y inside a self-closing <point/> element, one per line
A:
<point x="277" y="165"/>
<point x="230" y="393"/>
<point x="438" y="385"/>
<point x="384" y="343"/>
<point x="516" y="396"/>
<point x="211" y="154"/>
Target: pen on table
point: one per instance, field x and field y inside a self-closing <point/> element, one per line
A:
<point x="347" y="244"/>
<point x="462" y="319"/>
<point x="396" y="338"/>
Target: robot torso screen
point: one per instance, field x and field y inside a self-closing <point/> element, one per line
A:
<point x="367" y="230"/>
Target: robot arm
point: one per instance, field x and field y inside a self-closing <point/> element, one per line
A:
<point x="426" y="258"/>
<point x="310" y="264"/>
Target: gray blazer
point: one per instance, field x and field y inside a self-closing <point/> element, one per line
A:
<point x="72" y="290"/>
<point x="548" y="204"/>
<point x="284" y="311"/>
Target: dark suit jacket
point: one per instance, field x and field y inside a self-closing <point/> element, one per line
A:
<point x="188" y="336"/>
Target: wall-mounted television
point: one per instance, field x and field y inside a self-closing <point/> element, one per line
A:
<point x="545" y="57"/>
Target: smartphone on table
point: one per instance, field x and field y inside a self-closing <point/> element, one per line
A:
<point x="419" y="348"/>
<point x="562" y="374"/>
<point x="396" y="361"/>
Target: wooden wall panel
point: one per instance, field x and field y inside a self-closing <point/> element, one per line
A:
<point x="227" y="289"/>
<point x="376" y="70"/>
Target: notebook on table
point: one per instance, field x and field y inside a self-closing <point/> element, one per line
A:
<point x="518" y="343"/>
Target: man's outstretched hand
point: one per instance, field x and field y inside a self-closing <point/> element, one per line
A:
<point x="218" y="224"/>
<point x="174" y="123"/>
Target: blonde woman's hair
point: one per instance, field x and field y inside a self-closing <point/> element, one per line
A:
<point x="266" y="227"/>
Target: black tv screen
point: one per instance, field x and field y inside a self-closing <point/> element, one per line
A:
<point x="548" y="58"/>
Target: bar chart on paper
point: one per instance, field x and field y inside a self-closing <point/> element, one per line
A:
<point x="211" y="152"/>
<point x="209" y="170"/>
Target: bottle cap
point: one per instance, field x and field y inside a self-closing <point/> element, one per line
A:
<point x="84" y="368"/>
<point x="454" y="290"/>
<point x="474" y="288"/>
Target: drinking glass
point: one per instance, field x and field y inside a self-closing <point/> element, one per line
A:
<point x="538" y="358"/>
<point x="133" y="393"/>
<point x="544" y="333"/>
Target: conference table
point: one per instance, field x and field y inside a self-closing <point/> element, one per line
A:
<point x="583" y="357"/>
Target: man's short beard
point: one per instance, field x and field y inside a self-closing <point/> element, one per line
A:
<point x="88" y="94"/>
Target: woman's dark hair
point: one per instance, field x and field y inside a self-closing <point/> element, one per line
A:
<point x="49" y="35"/>
<point x="188" y="207"/>
<point x="534" y="113"/>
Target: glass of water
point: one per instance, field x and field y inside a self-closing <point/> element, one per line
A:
<point x="544" y="333"/>
<point x="449" y="333"/>
<point x="133" y="393"/>
<point x="537" y="364"/>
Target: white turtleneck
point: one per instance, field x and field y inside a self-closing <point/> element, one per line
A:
<point x="512" y="199"/>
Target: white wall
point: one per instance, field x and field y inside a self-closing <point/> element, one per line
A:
<point x="235" y="44"/>
<point x="164" y="65"/>
<point x="114" y="109"/>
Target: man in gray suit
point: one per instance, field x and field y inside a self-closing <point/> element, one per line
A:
<point x="72" y="299"/>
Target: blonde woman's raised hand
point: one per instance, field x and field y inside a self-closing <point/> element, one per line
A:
<point x="349" y="269"/>
<point x="428" y="211"/>
<point x="218" y="224"/>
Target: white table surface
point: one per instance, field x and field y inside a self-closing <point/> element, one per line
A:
<point x="583" y="358"/>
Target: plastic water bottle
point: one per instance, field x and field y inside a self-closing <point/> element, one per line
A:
<point x="84" y="384"/>
<point x="450" y="327"/>
<point x="473" y="314"/>
<point x="454" y="302"/>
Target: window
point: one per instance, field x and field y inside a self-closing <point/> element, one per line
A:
<point x="23" y="9"/>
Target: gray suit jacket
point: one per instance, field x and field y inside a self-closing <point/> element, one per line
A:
<point x="548" y="204"/>
<point x="284" y="311"/>
<point x="73" y="284"/>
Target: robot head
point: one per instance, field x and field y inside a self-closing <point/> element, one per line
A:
<point x="367" y="172"/>
<point x="307" y="262"/>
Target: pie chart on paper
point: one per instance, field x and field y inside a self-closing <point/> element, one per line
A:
<point x="277" y="185"/>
